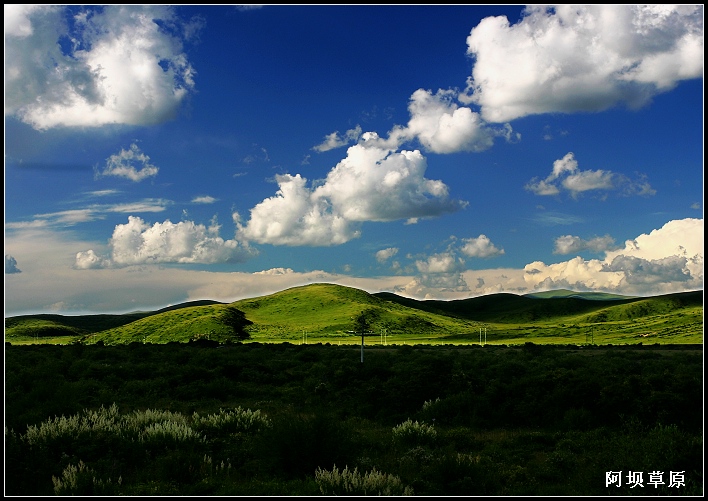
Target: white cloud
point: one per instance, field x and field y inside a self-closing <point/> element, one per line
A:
<point x="668" y="259"/>
<point x="11" y="265"/>
<point x="335" y="140"/>
<point x="371" y="184"/>
<point x="480" y="247"/>
<point x="442" y="126"/>
<point x="444" y="262"/>
<point x="88" y="260"/>
<point x="70" y="217"/>
<point x="204" y="200"/>
<point x="434" y="286"/>
<point x="102" y="193"/>
<point x="385" y="254"/>
<point x="147" y="205"/>
<point x="93" y="212"/>
<point x="294" y="216"/>
<point x="275" y="271"/>
<point x="440" y="272"/>
<point x="123" y="164"/>
<point x="566" y="175"/>
<point x="374" y="184"/>
<point x="570" y="58"/>
<point x="570" y="244"/>
<point x="122" y="68"/>
<point x="185" y="242"/>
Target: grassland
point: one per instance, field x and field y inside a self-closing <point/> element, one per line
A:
<point x="327" y="313"/>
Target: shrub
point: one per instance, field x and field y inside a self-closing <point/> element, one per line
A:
<point x="353" y="483"/>
<point x="82" y="480"/>
<point x="232" y="421"/>
<point x="169" y="431"/>
<point x="414" y="433"/>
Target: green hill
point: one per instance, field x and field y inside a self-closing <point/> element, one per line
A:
<point x="46" y="325"/>
<point x="328" y="310"/>
<point x="335" y="313"/>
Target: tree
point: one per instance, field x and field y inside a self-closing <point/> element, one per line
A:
<point x="236" y="320"/>
<point x="364" y="321"/>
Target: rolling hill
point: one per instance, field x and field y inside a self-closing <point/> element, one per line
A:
<point x="329" y="313"/>
<point x="511" y="308"/>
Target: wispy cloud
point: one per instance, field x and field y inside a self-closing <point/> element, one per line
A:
<point x="336" y="140"/>
<point x="204" y="200"/>
<point x="91" y="213"/>
<point x="556" y="218"/>
<point x="566" y="176"/>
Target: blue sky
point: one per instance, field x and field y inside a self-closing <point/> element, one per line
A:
<point x="156" y="154"/>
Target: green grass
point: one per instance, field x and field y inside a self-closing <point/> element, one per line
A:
<point x="327" y="313"/>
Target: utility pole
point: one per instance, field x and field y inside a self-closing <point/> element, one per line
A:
<point x="362" y="346"/>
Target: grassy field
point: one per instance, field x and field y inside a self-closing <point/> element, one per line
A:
<point x="326" y="313"/>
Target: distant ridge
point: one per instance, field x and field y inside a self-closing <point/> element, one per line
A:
<point x="579" y="295"/>
<point x="511" y="308"/>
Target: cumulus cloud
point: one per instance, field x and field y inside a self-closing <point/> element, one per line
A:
<point x="570" y="244"/>
<point x="123" y="164"/>
<point x="444" y="262"/>
<point x="668" y="259"/>
<point x="11" y="265"/>
<point x="443" y="273"/>
<point x="566" y="175"/>
<point x="275" y="271"/>
<point x="371" y="184"/>
<point x="480" y="247"/>
<point x="336" y="140"/>
<point x="294" y="216"/>
<point x="385" y="254"/>
<point x="138" y="242"/>
<point x="570" y="58"/>
<point x="434" y="286"/>
<point x="441" y="125"/>
<point x="121" y="64"/>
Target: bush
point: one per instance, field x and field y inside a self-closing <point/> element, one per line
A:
<point x="353" y="483"/>
<point x="414" y="433"/>
<point x="232" y="421"/>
